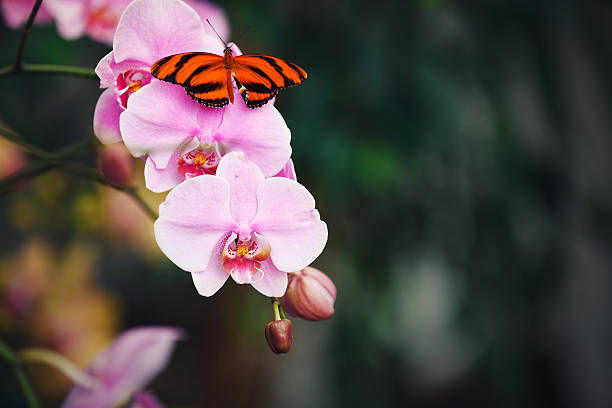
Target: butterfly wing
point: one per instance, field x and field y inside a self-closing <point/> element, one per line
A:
<point x="260" y="77"/>
<point x="202" y="74"/>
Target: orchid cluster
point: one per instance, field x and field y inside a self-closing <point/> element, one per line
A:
<point x="234" y="207"/>
<point x="97" y="19"/>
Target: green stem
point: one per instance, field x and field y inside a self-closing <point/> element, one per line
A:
<point x="33" y="170"/>
<point x="48" y="69"/>
<point x="276" y="304"/>
<point x="24" y="36"/>
<point x="34" y="150"/>
<point x="50" y="160"/>
<point x="94" y="175"/>
<point x="38" y="168"/>
<point x="26" y="387"/>
<point x="61" y="363"/>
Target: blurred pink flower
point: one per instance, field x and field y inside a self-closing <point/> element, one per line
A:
<point x="215" y="14"/>
<point x="147" y="31"/>
<point x="16" y="12"/>
<point x="96" y="18"/>
<point x="125" y="367"/>
<point x="12" y="158"/>
<point x="28" y="277"/>
<point x="238" y="223"/>
<point x="182" y="139"/>
<point x="146" y="399"/>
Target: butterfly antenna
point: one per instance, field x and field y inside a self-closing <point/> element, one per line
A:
<point x="244" y="32"/>
<point x="211" y="26"/>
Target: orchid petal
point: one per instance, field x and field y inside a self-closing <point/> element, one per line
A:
<point x="126" y="367"/>
<point x="159" y="118"/>
<point x="243" y="177"/>
<point x="288" y="171"/>
<point x="160" y="180"/>
<point x="16" y="12"/>
<point x="70" y="17"/>
<point x="215" y="14"/>
<point x="274" y="281"/>
<point x="106" y="117"/>
<point x="146" y="399"/>
<point x="192" y="220"/>
<point x="260" y="133"/>
<point x="212" y="279"/>
<point x="104" y="70"/>
<point x="287" y="219"/>
<point x="150" y="30"/>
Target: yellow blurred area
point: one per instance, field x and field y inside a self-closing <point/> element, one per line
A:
<point x="55" y="303"/>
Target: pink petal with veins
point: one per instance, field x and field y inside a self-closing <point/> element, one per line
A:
<point x="192" y="220"/>
<point x="287" y="218"/>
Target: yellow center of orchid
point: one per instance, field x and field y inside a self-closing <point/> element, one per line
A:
<point x="135" y="86"/>
<point x="242" y="249"/>
<point x="200" y="159"/>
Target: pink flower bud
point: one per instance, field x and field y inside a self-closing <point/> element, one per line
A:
<point x="279" y="335"/>
<point x="115" y="163"/>
<point x="310" y="295"/>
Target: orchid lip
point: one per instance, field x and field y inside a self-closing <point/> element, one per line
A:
<point x="242" y="259"/>
<point x="202" y="160"/>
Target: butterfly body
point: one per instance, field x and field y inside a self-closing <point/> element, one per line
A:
<point x="207" y="77"/>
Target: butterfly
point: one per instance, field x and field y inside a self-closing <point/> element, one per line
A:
<point x="207" y="77"/>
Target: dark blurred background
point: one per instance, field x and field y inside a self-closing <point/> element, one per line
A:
<point x="459" y="153"/>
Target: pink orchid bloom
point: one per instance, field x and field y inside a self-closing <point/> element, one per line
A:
<point x="125" y="367"/>
<point x="242" y="225"/>
<point x="147" y="31"/>
<point x="181" y="138"/>
<point x="146" y="399"/>
<point x="16" y="12"/>
<point x="213" y="13"/>
<point x="287" y="171"/>
<point x="96" y="18"/>
<point x="99" y="18"/>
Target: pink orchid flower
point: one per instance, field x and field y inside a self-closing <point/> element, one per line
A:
<point x="213" y="13"/>
<point x="181" y="138"/>
<point x="16" y="12"/>
<point x="241" y="225"/>
<point x="146" y="399"/>
<point x="99" y="18"/>
<point x="125" y="367"/>
<point x="96" y="18"/>
<point x="147" y="31"/>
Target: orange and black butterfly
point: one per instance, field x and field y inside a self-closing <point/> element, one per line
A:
<point x="207" y="77"/>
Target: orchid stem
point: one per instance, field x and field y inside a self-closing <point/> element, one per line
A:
<point x="66" y="152"/>
<point x="41" y="167"/>
<point x="275" y="305"/>
<point x="26" y="387"/>
<point x="19" y="67"/>
<point x="48" y="69"/>
<point x="60" y="362"/>
<point x="24" y="37"/>
<point x="33" y="170"/>
<point x="94" y="175"/>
